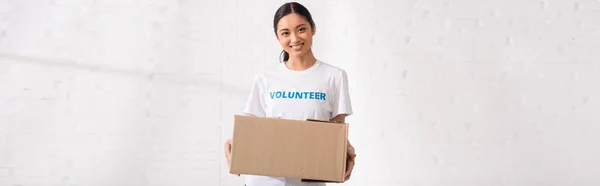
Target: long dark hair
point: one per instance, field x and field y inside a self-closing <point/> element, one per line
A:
<point x="288" y="8"/>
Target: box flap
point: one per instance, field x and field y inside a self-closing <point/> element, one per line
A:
<point x="316" y="120"/>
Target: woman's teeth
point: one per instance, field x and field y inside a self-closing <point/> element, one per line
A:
<point x="297" y="46"/>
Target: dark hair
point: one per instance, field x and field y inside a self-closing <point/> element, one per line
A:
<point x="288" y="8"/>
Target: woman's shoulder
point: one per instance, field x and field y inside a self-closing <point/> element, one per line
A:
<point x="332" y="69"/>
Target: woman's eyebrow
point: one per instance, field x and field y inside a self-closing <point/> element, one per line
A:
<point x="300" y="25"/>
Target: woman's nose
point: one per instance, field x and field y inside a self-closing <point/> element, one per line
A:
<point x="294" y="37"/>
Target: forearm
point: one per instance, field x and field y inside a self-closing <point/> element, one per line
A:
<point x="339" y="118"/>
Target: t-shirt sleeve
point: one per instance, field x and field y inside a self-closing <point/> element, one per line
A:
<point x="342" y="105"/>
<point x="255" y="105"/>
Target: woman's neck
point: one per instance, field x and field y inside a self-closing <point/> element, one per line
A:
<point x="301" y="63"/>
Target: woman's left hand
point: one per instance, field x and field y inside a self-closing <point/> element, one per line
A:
<point x="350" y="161"/>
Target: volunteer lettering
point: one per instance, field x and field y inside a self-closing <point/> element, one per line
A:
<point x="298" y="95"/>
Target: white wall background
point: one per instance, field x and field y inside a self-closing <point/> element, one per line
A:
<point x="446" y="92"/>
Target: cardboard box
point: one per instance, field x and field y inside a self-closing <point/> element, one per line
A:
<point x="314" y="151"/>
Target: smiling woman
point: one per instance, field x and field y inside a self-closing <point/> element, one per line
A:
<point x="295" y="31"/>
<point x="301" y="87"/>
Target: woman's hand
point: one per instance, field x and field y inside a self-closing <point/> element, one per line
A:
<point x="350" y="161"/>
<point x="341" y="118"/>
<point x="228" y="145"/>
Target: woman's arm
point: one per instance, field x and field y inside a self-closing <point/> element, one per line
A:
<point x="341" y="118"/>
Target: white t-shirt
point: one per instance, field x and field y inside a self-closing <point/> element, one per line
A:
<point x="319" y="92"/>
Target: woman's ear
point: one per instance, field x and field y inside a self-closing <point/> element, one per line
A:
<point x="314" y="29"/>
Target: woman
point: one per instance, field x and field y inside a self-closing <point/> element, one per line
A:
<point x="313" y="89"/>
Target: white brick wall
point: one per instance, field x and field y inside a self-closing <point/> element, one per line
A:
<point x="446" y="93"/>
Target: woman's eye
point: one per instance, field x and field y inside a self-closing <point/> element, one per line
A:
<point x="302" y="29"/>
<point x="284" y="33"/>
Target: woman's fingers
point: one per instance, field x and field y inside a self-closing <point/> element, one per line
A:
<point x="228" y="145"/>
<point x="349" y="168"/>
<point x="350" y="161"/>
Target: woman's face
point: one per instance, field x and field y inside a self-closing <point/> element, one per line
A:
<point x="295" y="34"/>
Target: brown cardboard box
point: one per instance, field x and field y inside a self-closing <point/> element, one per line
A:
<point x="314" y="151"/>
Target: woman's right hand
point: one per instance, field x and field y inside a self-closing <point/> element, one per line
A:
<point x="228" y="145"/>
